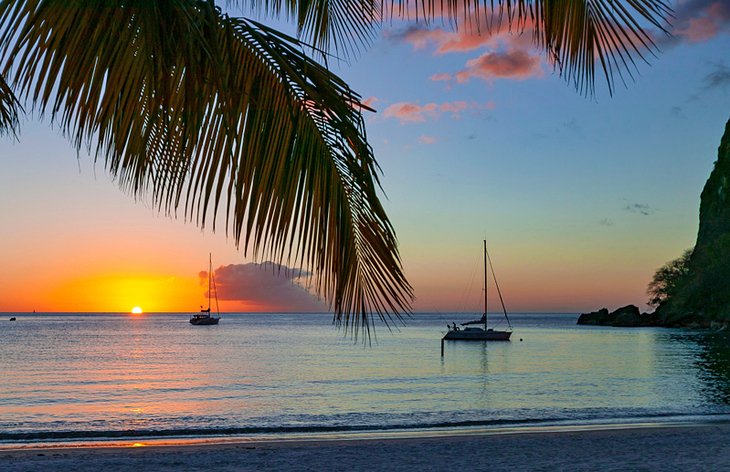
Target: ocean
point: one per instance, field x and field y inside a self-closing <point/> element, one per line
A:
<point x="84" y="378"/>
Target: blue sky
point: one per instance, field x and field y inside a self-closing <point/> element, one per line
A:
<point x="586" y="196"/>
<point x="580" y="198"/>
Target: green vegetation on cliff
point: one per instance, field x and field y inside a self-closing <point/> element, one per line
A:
<point x="668" y="279"/>
<point x="699" y="291"/>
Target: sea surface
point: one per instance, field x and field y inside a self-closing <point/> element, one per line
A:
<point x="97" y="377"/>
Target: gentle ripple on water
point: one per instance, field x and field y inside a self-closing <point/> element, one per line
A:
<point x="91" y="375"/>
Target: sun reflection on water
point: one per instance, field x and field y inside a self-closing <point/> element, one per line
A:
<point x="152" y="374"/>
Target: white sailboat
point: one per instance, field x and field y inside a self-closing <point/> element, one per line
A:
<point x="472" y="333"/>
<point x="204" y="317"/>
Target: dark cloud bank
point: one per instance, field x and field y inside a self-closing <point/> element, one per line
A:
<point x="264" y="287"/>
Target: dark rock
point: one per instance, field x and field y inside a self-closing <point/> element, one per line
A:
<point x="627" y="316"/>
<point x="599" y="317"/>
<point x="649" y="319"/>
<point x="702" y="296"/>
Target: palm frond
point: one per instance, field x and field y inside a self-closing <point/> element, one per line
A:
<point x="583" y="35"/>
<point x="341" y="27"/>
<point x="211" y="114"/>
<point x="9" y="108"/>
<point x="578" y="36"/>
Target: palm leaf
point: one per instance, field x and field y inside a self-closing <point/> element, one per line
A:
<point x="578" y="36"/>
<point x="9" y="107"/>
<point x="340" y="26"/>
<point x="211" y="114"/>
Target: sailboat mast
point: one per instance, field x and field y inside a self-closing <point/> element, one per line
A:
<point x="210" y="269"/>
<point x="485" y="285"/>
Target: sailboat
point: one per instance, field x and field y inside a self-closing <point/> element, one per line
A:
<point x="472" y="333"/>
<point x="204" y="317"/>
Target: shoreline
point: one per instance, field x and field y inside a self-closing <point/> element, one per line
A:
<point x="124" y="442"/>
<point x="647" y="446"/>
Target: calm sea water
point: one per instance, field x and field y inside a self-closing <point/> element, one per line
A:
<point x="92" y="376"/>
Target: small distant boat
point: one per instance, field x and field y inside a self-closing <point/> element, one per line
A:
<point x="471" y="333"/>
<point x="12" y="318"/>
<point x="204" y="317"/>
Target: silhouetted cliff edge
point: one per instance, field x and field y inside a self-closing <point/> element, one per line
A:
<point x="702" y="297"/>
<point x="701" y="294"/>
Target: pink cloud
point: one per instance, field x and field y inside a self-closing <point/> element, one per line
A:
<point x="702" y="20"/>
<point x="446" y="41"/>
<point x="463" y="43"/>
<point x="507" y="55"/>
<point x="407" y="112"/>
<point x="511" y="54"/>
<point x="370" y="101"/>
<point x="410" y="112"/>
<point x="441" y="77"/>
<point x="427" y="139"/>
<point x="517" y="64"/>
<point x="466" y="40"/>
<point x="454" y="107"/>
<point x="419" y="38"/>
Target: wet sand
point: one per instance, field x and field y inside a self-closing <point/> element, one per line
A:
<point x="649" y="447"/>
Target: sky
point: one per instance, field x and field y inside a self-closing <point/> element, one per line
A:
<point x="580" y="198"/>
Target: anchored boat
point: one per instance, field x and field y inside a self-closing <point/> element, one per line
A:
<point x="204" y="317"/>
<point x="472" y="333"/>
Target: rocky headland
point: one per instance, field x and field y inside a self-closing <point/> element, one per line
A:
<point x="627" y="316"/>
<point x="703" y="295"/>
<point x="700" y="296"/>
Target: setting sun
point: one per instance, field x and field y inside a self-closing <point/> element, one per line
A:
<point x="137" y="310"/>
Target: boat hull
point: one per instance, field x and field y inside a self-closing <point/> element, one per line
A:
<point x="474" y="334"/>
<point x="201" y="321"/>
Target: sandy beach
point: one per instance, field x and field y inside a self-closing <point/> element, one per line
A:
<point x="676" y="447"/>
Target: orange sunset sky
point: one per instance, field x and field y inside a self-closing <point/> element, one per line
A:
<point x="580" y="199"/>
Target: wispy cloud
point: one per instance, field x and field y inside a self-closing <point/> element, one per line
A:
<point x="407" y="112"/>
<point x="571" y="125"/>
<point x="441" y="77"/>
<point x="425" y="139"/>
<point x="676" y="111"/>
<point x="605" y="222"/>
<point x="639" y="208"/>
<point x="464" y="40"/>
<point x="370" y="101"/>
<point x="718" y="78"/>
<point x="264" y="287"/>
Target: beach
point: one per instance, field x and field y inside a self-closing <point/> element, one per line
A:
<point x="646" y="447"/>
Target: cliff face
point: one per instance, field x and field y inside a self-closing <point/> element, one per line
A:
<point x="703" y="296"/>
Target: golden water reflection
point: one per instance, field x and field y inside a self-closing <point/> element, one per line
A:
<point x="157" y="373"/>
